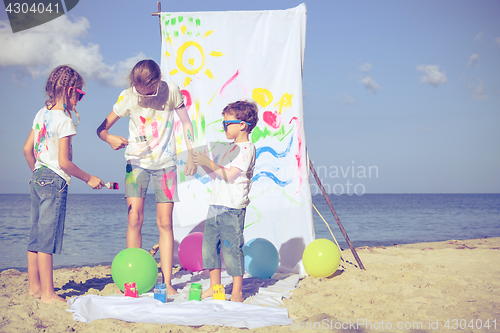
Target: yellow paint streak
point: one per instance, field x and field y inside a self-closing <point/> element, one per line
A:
<point x="191" y="61"/>
<point x="169" y="40"/>
<point x="208" y="33"/>
<point x="210" y="101"/>
<point x="174" y="71"/>
<point x="262" y="96"/>
<point x="209" y="74"/>
<point x="187" y="81"/>
<point x="285" y="101"/>
<point x="120" y="98"/>
<point x="216" y="54"/>
<point x="183" y="29"/>
<point x="167" y="54"/>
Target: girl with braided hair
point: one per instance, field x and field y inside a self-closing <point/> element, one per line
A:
<point x="48" y="153"/>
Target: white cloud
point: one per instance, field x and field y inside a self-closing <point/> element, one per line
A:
<point x="365" y="67"/>
<point x="38" y="50"/>
<point x="432" y="75"/>
<point x="345" y="99"/>
<point x="370" y="84"/>
<point x="497" y="41"/>
<point x="479" y="36"/>
<point x="474" y="60"/>
<point x="479" y="94"/>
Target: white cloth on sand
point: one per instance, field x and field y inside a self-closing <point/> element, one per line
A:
<point x="263" y="304"/>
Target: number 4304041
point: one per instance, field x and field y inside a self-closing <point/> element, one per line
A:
<point x="40" y="8"/>
<point x="463" y="324"/>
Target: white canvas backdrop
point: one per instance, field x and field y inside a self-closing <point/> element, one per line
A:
<point x="220" y="57"/>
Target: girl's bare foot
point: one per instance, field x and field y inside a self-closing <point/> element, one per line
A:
<point x="171" y="291"/>
<point x="52" y="298"/>
<point x="207" y="293"/>
<point x="238" y="297"/>
<point x="36" y="293"/>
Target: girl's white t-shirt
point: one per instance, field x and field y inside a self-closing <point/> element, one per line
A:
<point x="234" y="195"/>
<point x="49" y="127"/>
<point x="151" y="126"/>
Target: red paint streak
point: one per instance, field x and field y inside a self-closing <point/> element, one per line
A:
<point x="177" y="126"/>
<point x="164" y="185"/>
<point x="229" y="81"/>
<point x="298" y="156"/>
<point x="143" y="120"/>
<point x="273" y="119"/>
<point x="187" y="97"/>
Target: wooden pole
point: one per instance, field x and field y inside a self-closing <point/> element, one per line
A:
<point x="353" y="250"/>
<point x="158" y="14"/>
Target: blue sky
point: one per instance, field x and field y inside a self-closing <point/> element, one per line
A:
<point x="408" y="90"/>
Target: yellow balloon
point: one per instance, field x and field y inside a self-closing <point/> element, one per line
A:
<point x="321" y="258"/>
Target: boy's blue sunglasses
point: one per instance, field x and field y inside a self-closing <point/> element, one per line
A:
<point x="227" y="122"/>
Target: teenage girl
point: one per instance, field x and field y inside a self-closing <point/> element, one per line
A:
<point x="48" y="153"/>
<point x="150" y="153"/>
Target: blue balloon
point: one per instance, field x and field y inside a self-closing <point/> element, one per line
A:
<point x="261" y="258"/>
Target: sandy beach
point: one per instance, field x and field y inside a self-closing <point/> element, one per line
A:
<point x="426" y="287"/>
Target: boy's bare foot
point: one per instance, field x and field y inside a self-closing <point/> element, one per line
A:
<point x="238" y="297"/>
<point x="207" y="293"/>
<point x="52" y="298"/>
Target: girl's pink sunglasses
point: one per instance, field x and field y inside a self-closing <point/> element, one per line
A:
<point x="80" y="92"/>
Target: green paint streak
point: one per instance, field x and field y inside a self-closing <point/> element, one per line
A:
<point x="173" y="21"/>
<point x="209" y="190"/>
<point x="197" y="34"/>
<point x="182" y="176"/>
<point x="259" y="216"/>
<point x="37" y="126"/>
<point x="198" y="22"/>
<point x="258" y="134"/>
<point x="167" y="22"/>
<point x="190" y="137"/>
<point x="180" y="19"/>
<point x="191" y="20"/>
<point x="189" y="33"/>
<point x="289" y="197"/>
<point x="213" y="146"/>
<point x="216" y="121"/>
<point x="195" y="129"/>
<point x="203" y="125"/>
<point x="176" y="33"/>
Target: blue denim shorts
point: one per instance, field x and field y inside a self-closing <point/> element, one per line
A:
<point x="164" y="182"/>
<point x="224" y="229"/>
<point x="48" y="211"/>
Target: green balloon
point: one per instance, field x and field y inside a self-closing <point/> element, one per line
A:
<point x="134" y="265"/>
<point x="321" y="258"/>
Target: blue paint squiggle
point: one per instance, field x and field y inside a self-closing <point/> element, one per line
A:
<point x="273" y="152"/>
<point x="275" y="179"/>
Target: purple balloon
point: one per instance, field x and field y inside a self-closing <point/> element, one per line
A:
<point x="190" y="252"/>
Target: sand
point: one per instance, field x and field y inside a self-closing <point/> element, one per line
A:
<point x="426" y="287"/>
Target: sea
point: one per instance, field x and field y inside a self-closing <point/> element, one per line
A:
<point x="96" y="223"/>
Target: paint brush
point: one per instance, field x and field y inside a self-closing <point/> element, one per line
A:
<point x="141" y="138"/>
<point x="112" y="186"/>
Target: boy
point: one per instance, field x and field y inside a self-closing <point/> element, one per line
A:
<point x="232" y="182"/>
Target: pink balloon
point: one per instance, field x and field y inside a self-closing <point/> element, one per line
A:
<point x="190" y="252"/>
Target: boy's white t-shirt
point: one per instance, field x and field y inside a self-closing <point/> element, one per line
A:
<point x="49" y="127"/>
<point x="235" y="195"/>
<point x="152" y="118"/>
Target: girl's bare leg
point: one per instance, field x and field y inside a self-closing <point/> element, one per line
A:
<point x="164" y="213"/>
<point x="46" y="279"/>
<point x="35" y="288"/>
<point x="135" y="220"/>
